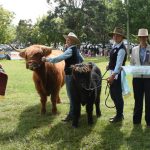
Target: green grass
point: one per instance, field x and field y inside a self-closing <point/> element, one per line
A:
<point x="23" y="128"/>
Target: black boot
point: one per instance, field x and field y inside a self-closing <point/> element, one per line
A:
<point x="68" y="118"/>
<point x="116" y="119"/>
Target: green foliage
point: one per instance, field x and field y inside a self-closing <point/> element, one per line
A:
<point x="139" y="15"/>
<point x="91" y="20"/>
<point x="24" y="31"/>
<point x="52" y="28"/>
<point x="23" y="128"/>
<point x="7" y="31"/>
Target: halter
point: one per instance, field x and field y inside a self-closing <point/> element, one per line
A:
<point x="91" y="89"/>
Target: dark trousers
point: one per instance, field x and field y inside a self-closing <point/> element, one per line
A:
<point x="141" y="88"/>
<point x="116" y="95"/>
<point x="68" y="80"/>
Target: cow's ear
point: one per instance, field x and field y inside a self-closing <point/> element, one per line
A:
<point x="22" y="54"/>
<point x="46" y="50"/>
<point x="72" y="66"/>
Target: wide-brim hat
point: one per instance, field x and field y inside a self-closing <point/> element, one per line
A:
<point x="73" y="37"/>
<point x="119" y="31"/>
<point x="143" y="32"/>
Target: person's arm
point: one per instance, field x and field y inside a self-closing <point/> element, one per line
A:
<point x="119" y="62"/>
<point x="132" y="61"/>
<point x="81" y="58"/>
<point x="65" y="55"/>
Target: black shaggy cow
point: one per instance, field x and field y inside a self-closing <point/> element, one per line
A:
<point x="86" y="87"/>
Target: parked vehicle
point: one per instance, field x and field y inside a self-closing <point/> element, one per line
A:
<point x="14" y="55"/>
<point x="7" y="52"/>
<point x="4" y="54"/>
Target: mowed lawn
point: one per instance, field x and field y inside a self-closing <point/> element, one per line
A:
<point x="23" y="128"/>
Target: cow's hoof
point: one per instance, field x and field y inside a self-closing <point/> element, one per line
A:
<point x="74" y="126"/>
<point x="59" y="102"/>
<point x="43" y="112"/>
<point x="98" y="115"/>
<point x="90" y="122"/>
<point x="54" y="112"/>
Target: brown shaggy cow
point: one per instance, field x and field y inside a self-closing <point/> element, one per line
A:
<point x="48" y="77"/>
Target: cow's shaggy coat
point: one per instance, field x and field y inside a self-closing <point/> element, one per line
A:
<point x="48" y="77"/>
<point x="86" y="89"/>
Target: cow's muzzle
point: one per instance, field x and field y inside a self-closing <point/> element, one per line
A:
<point x="33" y="65"/>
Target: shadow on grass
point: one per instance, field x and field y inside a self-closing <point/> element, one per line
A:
<point x="139" y="138"/>
<point x="29" y="119"/>
<point x="64" y="136"/>
<point x="112" y="137"/>
<point x="60" y="135"/>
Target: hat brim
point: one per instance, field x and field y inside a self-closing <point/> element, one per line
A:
<point x="142" y="35"/>
<point x="111" y="34"/>
<point x="76" y="40"/>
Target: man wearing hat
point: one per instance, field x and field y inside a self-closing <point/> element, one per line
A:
<point x="141" y="83"/>
<point x="117" y="59"/>
<point x="71" y="57"/>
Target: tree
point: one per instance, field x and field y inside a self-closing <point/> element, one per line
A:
<point x="52" y="28"/>
<point x="7" y="31"/>
<point x="24" y="32"/>
<point x="139" y="15"/>
<point x="91" y="20"/>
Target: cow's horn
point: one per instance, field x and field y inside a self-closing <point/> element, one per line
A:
<point x="17" y="50"/>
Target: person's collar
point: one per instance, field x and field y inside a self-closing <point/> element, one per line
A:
<point x="117" y="45"/>
<point x="71" y="46"/>
<point x="144" y="45"/>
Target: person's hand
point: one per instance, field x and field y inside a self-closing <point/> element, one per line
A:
<point x="111" y="79"/>
<point x="66" y="46"/>
<point x="44" y="59"/>
<point x="47" y="59"/>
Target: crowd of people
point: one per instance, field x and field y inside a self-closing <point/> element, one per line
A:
<point x="117" y="57"/>
<point x="93" y="50"/>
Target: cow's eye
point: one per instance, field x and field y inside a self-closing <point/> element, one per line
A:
<point x="37" y="55"/>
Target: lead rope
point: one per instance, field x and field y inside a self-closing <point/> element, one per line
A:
<point x="107" y="86"/>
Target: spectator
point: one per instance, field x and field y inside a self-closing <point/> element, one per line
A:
<point x="141" y="83"/>
<point x="71" y="56"/>
<point x="117" y="58"/>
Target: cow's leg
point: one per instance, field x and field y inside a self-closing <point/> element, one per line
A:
<point x="76" y="114"/>
<point x="41" y="91"/>
<point x="58" y="100"/>
<point x="43" y="104"/>
<point x="89" y="110"/>
<point x="54" y="98"/>
<point x="97" y="105"/>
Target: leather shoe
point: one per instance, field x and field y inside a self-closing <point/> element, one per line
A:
<point x="67" y="119"/>
<point x="148" y="125"/>
<point x="112" y="117"/>
<point x="116" y="119"/>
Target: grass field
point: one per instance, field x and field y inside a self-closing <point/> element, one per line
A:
<point x="23" y="128"/>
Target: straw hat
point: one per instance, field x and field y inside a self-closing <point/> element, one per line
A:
<point x="73" y="37"/>
<point x="143" y="32"/>
<point x="119" y="31"/>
